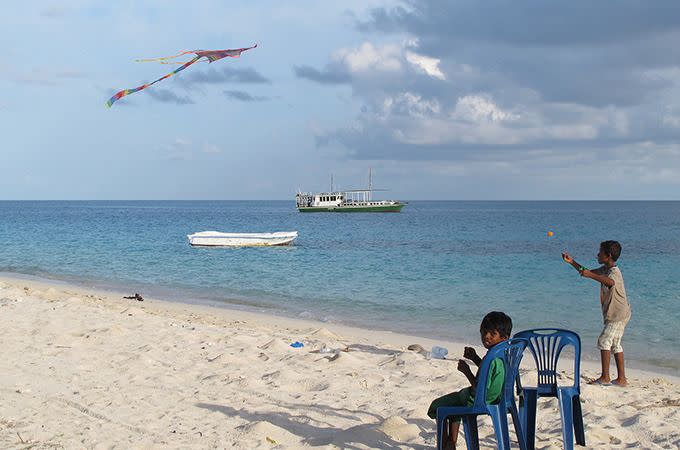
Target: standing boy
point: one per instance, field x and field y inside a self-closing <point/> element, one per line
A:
<point x="495" y="327"/>
<point x="615" y="309"/>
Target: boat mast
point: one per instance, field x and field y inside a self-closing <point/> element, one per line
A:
<point x="370" y="185"/>
<point x="331" y="183"/>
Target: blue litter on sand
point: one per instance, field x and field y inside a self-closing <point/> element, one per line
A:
<point x="297" y="344"/>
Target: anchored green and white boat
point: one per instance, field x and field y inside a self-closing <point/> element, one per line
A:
<point x="353" y="200"/>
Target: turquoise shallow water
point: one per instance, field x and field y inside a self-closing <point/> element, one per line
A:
<point x="433" y="270"/>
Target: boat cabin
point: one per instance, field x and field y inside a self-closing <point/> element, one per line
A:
<point x="323" y="199"/>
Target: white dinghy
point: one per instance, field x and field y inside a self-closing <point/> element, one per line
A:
<point x="217" y="239"/>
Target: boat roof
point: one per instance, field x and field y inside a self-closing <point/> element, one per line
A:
<point x="342" y="191"/>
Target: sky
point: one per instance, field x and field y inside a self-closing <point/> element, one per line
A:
<point x="445" y="99"/>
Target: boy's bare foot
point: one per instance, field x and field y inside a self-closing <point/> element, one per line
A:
<point x="600" y="380"/>
<point x="621" y="383"/>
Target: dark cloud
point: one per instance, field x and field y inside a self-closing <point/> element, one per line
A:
<point x="529" y="22"/>
<point x="332" y="75"/>
<point x="224" y="75"/>
<point x="244" y="96"/>
<point x="376" y="143"/>
<point x="167" y="96"/>
<point x="567" y="52"/>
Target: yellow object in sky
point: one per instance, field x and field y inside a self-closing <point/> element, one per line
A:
<point x="550" y="233"/>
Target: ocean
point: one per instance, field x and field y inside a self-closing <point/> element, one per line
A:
<point x="432" y="270"/>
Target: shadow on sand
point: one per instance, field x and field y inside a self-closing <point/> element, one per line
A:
<point x="325" y="434"/>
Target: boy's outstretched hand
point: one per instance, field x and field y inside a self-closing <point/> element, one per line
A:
<point x="567" y="258"/>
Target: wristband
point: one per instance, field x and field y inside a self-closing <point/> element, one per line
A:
<point x="581" y="269"/>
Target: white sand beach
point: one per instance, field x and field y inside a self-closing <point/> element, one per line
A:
<point x="82" y="368"/>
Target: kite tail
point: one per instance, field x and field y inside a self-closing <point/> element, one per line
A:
<point x="165" y="58"/>
<point x="120" y="94"/>
<point x="176" y="63"/>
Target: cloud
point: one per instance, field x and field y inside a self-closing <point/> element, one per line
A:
<point x="69" y="74"/>
<point x="35" y="79"/>
<point x="167" y="96"/>
<point x="409" y="104"/>
<point x="211" y="148"/>
<point x="244" y="96"/>
<point x="331" y="75"/>
<point x="428" y="65"/>
<point x="460" y="81"/>
<point x="224" y="75"/>
<point x="179" y="149"/>
<point x="410" y="127"/>
<point x="374" y="62"/>
<point x="671" y="121"/>
<point x="530" y="22"/>
<point x="46" y="77"/>
<point x="577" y="52"/>
<point x="184" y="149"/>
<point x="368" y="57"/>
<point x="476" y="108"/>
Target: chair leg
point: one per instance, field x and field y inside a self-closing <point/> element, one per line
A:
<point x="471" y="432"/>
<point x="441" y="423"/>
<point x="579" y="430"/>
<point x="528" y="418"/>
<point x="567" y="415"/>
<point x="519" y="432"/>
<point x="500" y="426"/>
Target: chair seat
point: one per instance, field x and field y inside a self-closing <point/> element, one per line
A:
<point x="462" y="410"/>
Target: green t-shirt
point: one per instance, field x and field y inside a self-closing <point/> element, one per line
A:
<point x="494" y="386"/>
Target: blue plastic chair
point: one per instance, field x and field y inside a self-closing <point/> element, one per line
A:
<point x="510" y="352"/>
<point x="546" y="345"/>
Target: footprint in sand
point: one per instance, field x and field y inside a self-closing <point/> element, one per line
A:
<point x="311" y="385"/>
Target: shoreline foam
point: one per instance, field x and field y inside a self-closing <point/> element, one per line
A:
<point x="85" y="368"/>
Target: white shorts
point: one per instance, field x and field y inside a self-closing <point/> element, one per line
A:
<point x="610" y="338"/>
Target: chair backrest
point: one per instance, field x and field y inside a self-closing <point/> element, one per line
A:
<point x="510" y="352"/>
<point x="546" y="345"/>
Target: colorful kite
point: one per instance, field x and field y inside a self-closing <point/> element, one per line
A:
<point x="210" y="55"/>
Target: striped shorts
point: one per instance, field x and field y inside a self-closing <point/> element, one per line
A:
<point x="610" y="338"/>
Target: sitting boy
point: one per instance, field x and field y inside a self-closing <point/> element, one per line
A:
<point x="495" y="327"/>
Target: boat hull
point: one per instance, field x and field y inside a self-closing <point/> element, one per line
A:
<point x="217" y="239"/>
<point x="352" y="209"/>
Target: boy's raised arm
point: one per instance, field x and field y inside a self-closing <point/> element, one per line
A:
<point x="465" y="369"/>
<point x="595" y="275"/>
<point x="592" y="274"/>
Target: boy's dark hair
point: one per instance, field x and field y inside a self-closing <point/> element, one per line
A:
<point x="612" y="248"/>
<point x="497" y="321"/>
